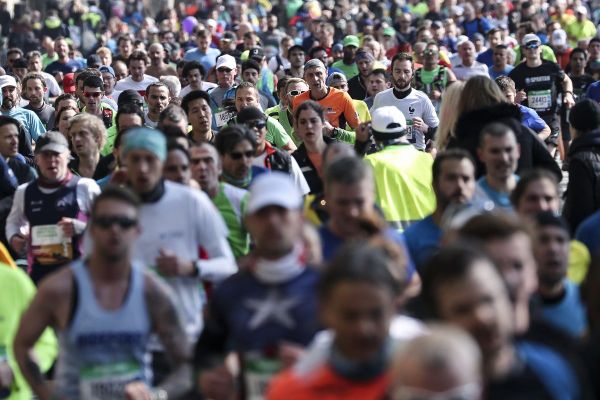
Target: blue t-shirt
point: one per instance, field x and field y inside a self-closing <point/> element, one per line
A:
<point x="29" y="119"/>
<point x="493" y="74"/>
<point x="568" y="314"/>
<point x="486" y="57"/>
<point x="588" y="232"/>
<point x="330" y="243"/>
<point x="531" y="119"/>
<point x="208" y="59"/>
<point x="423" y="240"/>
<point x="481" y="25"/>
<point x="485" y="192"/>
<point x="70" y="66"/>
<point x="593" y="92"/>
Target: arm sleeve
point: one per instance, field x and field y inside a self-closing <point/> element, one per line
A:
<point x="53" y="88"/>
<point x="17" y="223"/>
<point x="279" y="136"/>
<point x="429" y="115"/>
<point x="36" y="128"/>
<point x="87" y="190"/>
<point x="212" y="237"/>
<point x="346" y="136"/>
<point x="350" y="112"/>
<point x="579" y="201"/>
<point x="298" y="177"/>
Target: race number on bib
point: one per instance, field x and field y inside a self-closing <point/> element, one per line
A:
<point x="223" y="117"/>
<point x="540" y="99"/>
<point x="409" y="129"/>
<point x="50" y="245"/>
<point x="107" y="382"/>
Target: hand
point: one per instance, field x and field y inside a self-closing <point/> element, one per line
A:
<point x="137" y="391"/>
<point x="18" y="243"/>
<point x="6" y="375"/>
<point x="363" y="132"/>
<point x="169" y="264"/>
<point x="569" y="100"/>
<point x="289" y="353"/>
<point x="420" y="125"/>
<point x="119" y="177"/>
<point x="67" y="226"/>
<point x="435" y="95"/>
<point x="520" y="96"/>
<point x="328" y="128"/>
<point x="217" y="383"/>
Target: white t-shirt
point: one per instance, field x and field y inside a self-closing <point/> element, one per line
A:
<point x="140" y="87"/>
<point x="463" y="73"/>
<point x="296" y="174"/>
<point x="416" y="104"/>
<point x="205" y="87"/>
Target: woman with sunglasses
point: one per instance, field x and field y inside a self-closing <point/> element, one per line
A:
<point x="309" y="120"/>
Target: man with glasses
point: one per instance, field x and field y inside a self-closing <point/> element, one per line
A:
<point x="542" y="82"/>
<point x="433" y="78"/>
<point x="229" y="200"/>
<point x="11" y="96"/>
<point x="93" y="91"/>
<point x="49" y="215"/>
<point x="104" y="309"/>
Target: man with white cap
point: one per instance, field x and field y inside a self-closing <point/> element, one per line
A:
<point x="269" y="308"/>
<point x="402" y="173"/>
<point x="178" y="224"/>
<point x="226" y="71"/>
<point x="542" y="81"/>
<point x="11" y="96"/>
<point x="50" y="213"/>
<point x="561" y="47"/>
<point x="582" y="28"/>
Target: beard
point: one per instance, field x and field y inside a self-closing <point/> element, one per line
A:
<point x="401" y="83"/>
<point x="8" y="103"/>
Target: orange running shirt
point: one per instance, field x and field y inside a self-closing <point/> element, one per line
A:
<point x="337" y="106"/>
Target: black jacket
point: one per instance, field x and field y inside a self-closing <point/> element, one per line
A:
<point x="356" y="89"/>
<point x="308" y="169"/>
<point x="533" y="150"/>
<point x="583" y="189"/>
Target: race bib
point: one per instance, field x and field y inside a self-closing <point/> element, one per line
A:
<point x="258" y="372"/>
<point x="50" y="246"/>
<point x="540" y="99"/>
<point x="108" y="381"/>
<point x="223" y="117"/>
<point x="409" y="129"/>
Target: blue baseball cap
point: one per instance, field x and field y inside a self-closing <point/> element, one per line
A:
<point x="109" y="69"/>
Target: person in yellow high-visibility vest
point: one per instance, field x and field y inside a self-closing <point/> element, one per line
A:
<point x="402" y="173"/>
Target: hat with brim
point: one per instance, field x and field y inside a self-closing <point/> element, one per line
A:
<point x="531" y="40"/>
<point x="388" y="123"/>
<point x="351" y="40"/>
<point x="53" y="142"/>
<point x="274" y="189"/>
<point x="7" y="80"/>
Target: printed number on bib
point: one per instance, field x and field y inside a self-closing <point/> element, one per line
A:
<point x="50" y="245"/>
<point x="107" y="382"/>
<point x="409" y="129"/>
<point x="540" y="99"/>
<point x="223" y="117"/>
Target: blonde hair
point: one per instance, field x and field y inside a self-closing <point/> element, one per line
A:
<point x="448" y="114"/>
<point x="103" y="50"/>
<point x="94" y="124"/>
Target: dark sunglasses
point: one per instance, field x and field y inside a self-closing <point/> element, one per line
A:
<point x="225" y="70"/>
<point x="93" y="94"/>
<point x="107" y="222"/>
<point x="296" y="92"/>
<point x="239" y="155"/>
<point x="256" y="124"/>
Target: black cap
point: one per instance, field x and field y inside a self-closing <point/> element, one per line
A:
<point x="548" y="218"/>
<point x="130" y="96"/>
<point x="585" y="116"/>
<point x="20" y="63"/>
<point x="52" y="141"/>
<point x="256" y="53"/>
<point x="94" y="59"/>
<point x="296" y="47"/>
<point x="250" y="114"/>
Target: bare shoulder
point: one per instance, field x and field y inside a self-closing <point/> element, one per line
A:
<point x="54" y="296"/>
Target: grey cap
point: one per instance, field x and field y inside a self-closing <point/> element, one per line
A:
<point x="52" y="141"/>
<point x="313" y="63"/>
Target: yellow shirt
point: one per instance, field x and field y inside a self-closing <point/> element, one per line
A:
<point x="580" y="30"/>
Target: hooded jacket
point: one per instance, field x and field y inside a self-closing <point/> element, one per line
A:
<point x="583" y="189"/>
<point x="533" y="150"/>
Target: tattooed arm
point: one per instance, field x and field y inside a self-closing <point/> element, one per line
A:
<point x="168" y="326"/>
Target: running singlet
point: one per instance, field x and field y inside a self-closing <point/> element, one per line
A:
<point x="541" y="85"/>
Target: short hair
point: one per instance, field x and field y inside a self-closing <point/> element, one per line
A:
<point x="492" y="31"/>
<point x="314" y="50"/>
<point x="94" y="124"/>
<point x="347" y="171"/>
<point x="156" y="84"/>
<point x="309" y="105"/>
<point x="125" y="38"/>
<point x="33" y="54"/>
<point x="450" y="154"/>
<point x="190" y="66"/>
<point x="495" y="130"/>
<point x="138" y="55"/>
<point x="14" y="50"/>
<point x="401" y="57"/>
<point x="117" y="193"/>
<point x="530" y="176"/>
<point x="173" y="84"/>
<point x="6" y="120"/>
<point x="174" y="113"/>
<point x="103" y="50"/>
<point x="129" y="108"/>
<point x="577" y="50"/>
<point x="93" y="82"/>
<point x="231" y="135"/>
<point x="194" y="95"/>
<point x="34" y="75"/>
<point x="494" y="226"/>
<point x="250" y="64"/>
<point x="501" y="47"/>
<point x="173" y="144"/>
<point x="505" y="83"/>
<point x="595" y="39"/>
<point x="85" y="73"/>
<point x="247" y="85"/>
<point x="203" y="33"/>
<point x="379" y="71"/>
<point x="365" y="262"/>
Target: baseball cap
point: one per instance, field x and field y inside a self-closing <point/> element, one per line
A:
<point x="226" y="61"/>
<point x="296" y="47"/>
<point x="7" y="80"/>
<point x="336" y="76"/>
<point x="130" y="96"/>
<point x="581" y="9"/>
<point x="559" y="38"/>
<point x="530" y="39"/>
<point x="52" y="141"/>
<point x="351" y="40"/>
<point x="337" y="47"/>
<point x="107" y="68"/>
<point x="256" y="53"/>
<point x="274" y="189"/>
<point x="145" y="139"/>
<point x="68" y="83"/>
<point x="388" y="123"/>
<point x="389" y="31"/>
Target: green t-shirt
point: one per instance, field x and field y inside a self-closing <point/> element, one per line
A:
<point x="46" y="60"/>
<point x="276" y="134"/>
<point x="349" y="70"/>
<point x="16" y="292"/>
<point x="282" y="116"/>
<point x="231" y="203"/>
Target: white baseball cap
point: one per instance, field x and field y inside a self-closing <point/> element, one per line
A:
<point x="581" y="9"/>
<point x="387" y="122"/>
<point x="530" y="37"/>
<point x="559" y="38"/>
<point x="226" y="61"/>
<point x="274" y="189"/>
<point x="7" y="80"/>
